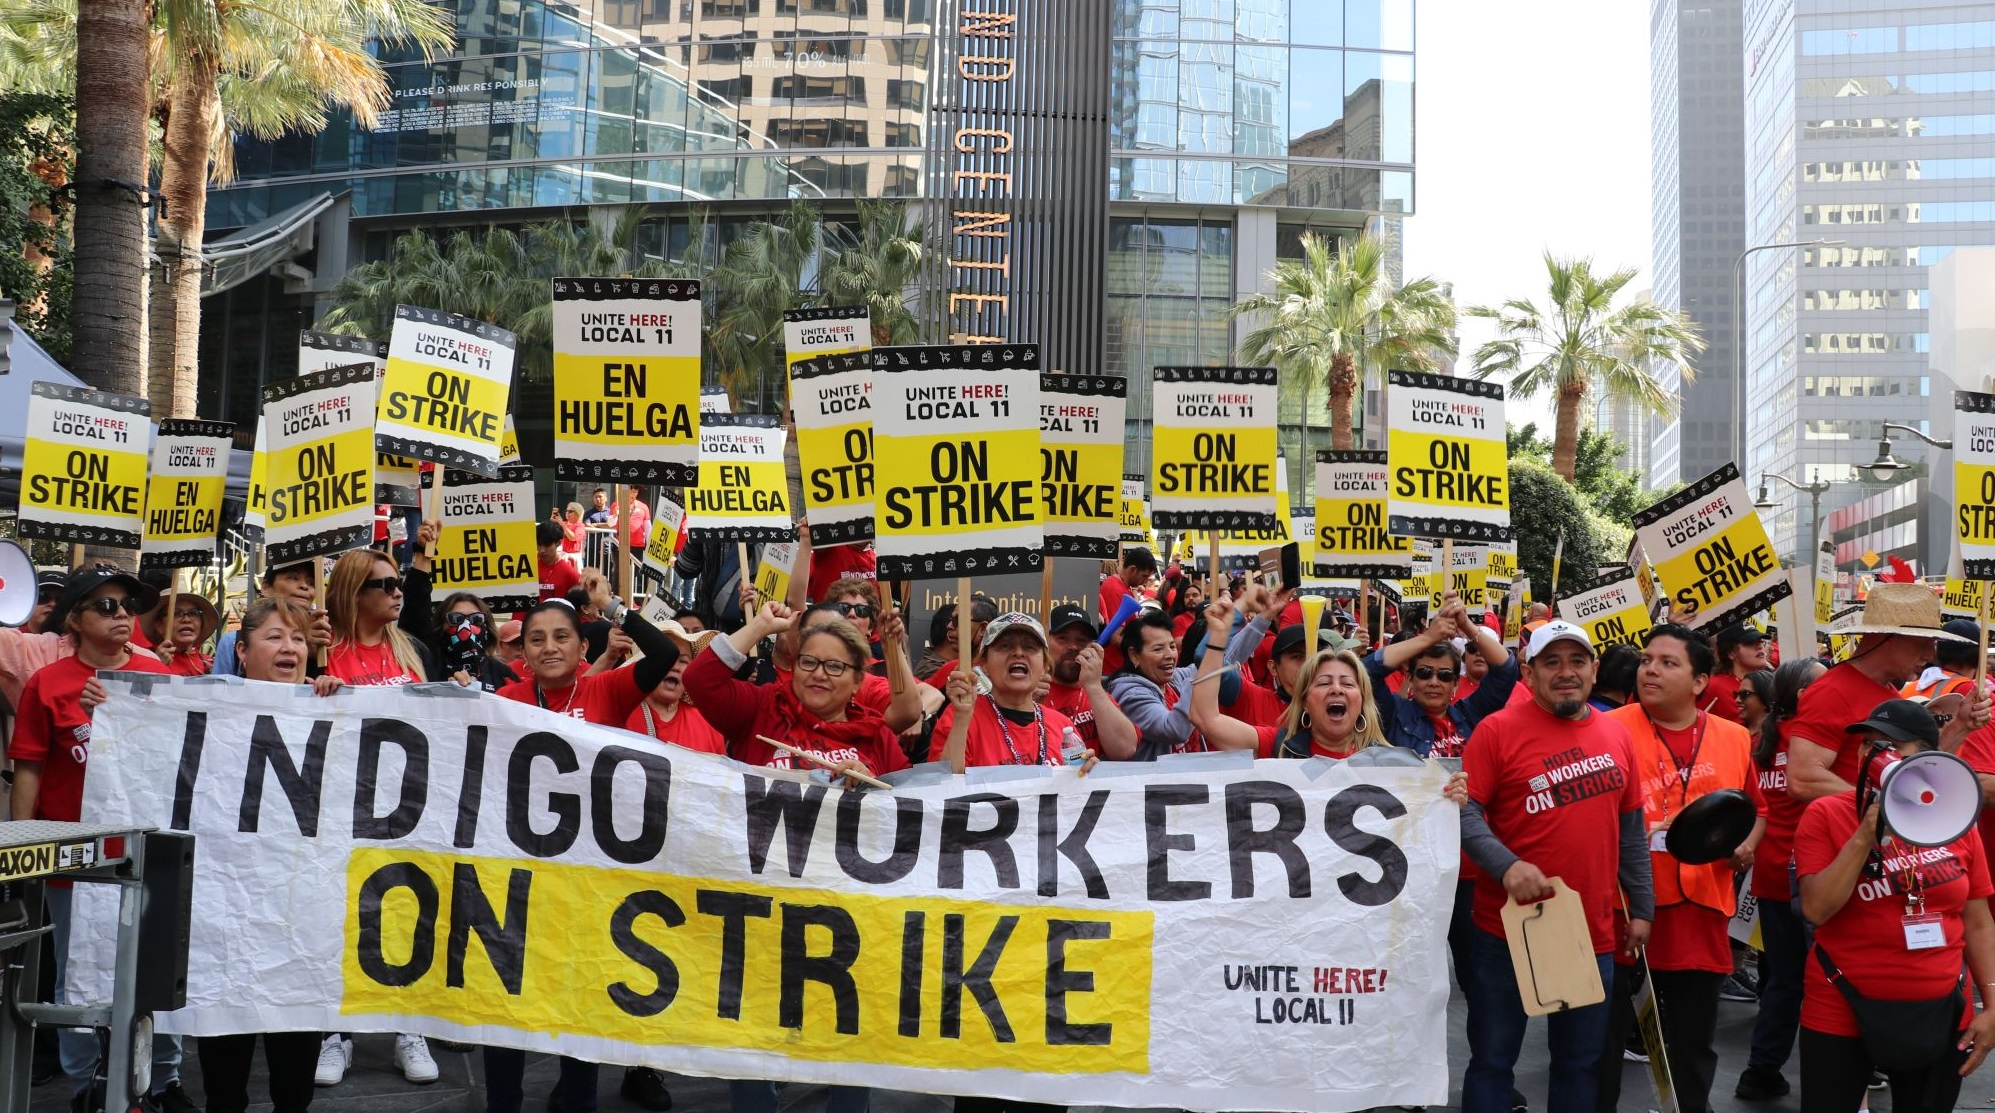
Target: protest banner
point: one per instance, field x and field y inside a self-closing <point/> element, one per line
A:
<point x="825" y="330"/>
<point x="1468" y="578"/>
<point x="1711" y="552"/>
<point x="1961" y="597"/>
<point x="832" y="398"/>
<point x="668" y="521"/>
<point x="320" y="462"/>
<point x="956" y="453"/>
<point x="444" y="397"/>
<point x="1240" y="549"/>
<point x="743" y="493"/>
<point x="1213" y="459"/>
<point x="397" y="479"/>
<point x="627" y="379"/>
<point x="1974" y="482"/>
<point x="1449" y="461"/>
<point x="1351" y="538"/>
<point x="1082" y="424"/>
<point x="773" y="573"/>
<point x="1610" y="609"/>
<point x="486" y="545"/>
<point x="422" y="860"/>
<point x="184" y="491"/>
<point x="1135" y="517"/>
<point x="509" y="444"/>
<point x="83" y="467"/>
<point x="1514" y="605"/>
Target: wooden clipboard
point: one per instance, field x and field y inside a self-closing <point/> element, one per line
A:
<point x="1552" y="952"/>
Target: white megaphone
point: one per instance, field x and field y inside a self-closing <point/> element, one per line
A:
<point x="17" y="585"/>
<point x="1928" y="799"/>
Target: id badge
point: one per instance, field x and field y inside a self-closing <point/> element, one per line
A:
<point x="1924" y="932"/>
<point x="1659" y="840"/>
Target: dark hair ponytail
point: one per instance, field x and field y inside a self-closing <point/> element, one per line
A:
<point x="1789" y="681"/>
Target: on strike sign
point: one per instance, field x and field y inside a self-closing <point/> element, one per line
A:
<point x="1449" y="459"/>
<point x="627" y="379"/>
<point x="1214" y="461"/>
<point x="183" y="506"/>
<point x="397" y="479"/>
<point x="1974" y="482"/>
<point x="321" y="463"/>
<point x="1081" y="419"/>
<point x="832" y="398"/>
<point x="956" y="446"/>
<point x="83" y="470"/>
<point x="1711" y="552"/>
<point x="443" y="398"/>
<point x="1351" y="538"/>
<point x="1610" y="609"/>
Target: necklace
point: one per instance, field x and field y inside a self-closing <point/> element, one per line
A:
<point x="1004" y="727"/>
<point x="540" y="696"/>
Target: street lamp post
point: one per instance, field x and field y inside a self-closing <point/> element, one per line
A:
<point x="1882" y="467"/>
<point x="1739" y="344"/>
<point x="1814" y="491"/>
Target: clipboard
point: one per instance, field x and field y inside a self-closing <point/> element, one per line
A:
<point x="1552" y="953"/>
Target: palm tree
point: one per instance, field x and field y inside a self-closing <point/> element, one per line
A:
<point x="1335" y="317"/>
<point x="108" y="329"/>
<point x="1583" y="343"/>
<point x="767" y="271"/>
<point x="876" y="265"/>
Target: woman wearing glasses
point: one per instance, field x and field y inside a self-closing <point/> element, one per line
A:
<point x="379" y="631"/>
<point x="464" y="633"/>
<point x="179" y="636"/>
<point x="1424" y="715"/>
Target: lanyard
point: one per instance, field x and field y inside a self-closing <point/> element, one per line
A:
<point x="540" y="697"/>
<point x="1683" y="768"/>
<point x="1004" y="726"/>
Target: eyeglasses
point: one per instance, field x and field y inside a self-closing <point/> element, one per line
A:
<point x="387" y="585"/>
<point x="854" y="610"/>
<point x="832" y="669"/>
<point x="1429" y="672"/>
<point x="110" y="605"/>
<point x="48" y="595"/>
<point x="187" y="615"/>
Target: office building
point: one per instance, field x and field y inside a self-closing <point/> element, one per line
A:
<point x="1163" y="154"/>
<point x="1871" y="125"/>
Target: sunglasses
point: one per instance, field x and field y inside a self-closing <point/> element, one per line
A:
<point x="110" y="605"/>
<point x="466" y="620"/>
<point x="854" y="610"/>
<point x="832" y="669"/>
<point x="1429" y="672"/>
<point x="388" y="585"/>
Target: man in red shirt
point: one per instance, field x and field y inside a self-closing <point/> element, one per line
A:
<point x="1077" y="690"/>
<point x="556" y="574"/>
<point x="1741" y="650"/>
<point x="1139" y="567"/>
<point x="1551" y="781"/>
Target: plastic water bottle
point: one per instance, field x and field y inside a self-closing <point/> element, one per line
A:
<point x="1073" y="751"/>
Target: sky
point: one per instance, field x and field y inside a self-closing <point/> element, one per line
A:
<point x="1531" y="133"/>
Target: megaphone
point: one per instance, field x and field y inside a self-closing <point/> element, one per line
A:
<point x="17" y="585"/>
<point x="1928" y="799"/>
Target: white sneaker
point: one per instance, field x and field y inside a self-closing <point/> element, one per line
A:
<point x="335" y="1055"/>
<point x="412" y="1058"/>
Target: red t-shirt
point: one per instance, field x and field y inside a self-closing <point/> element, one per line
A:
<point x="1554" y="791"/>
<point x="990" y="733"/>
<point x="1257" y="705"/>
<point x="190" y="663"/>
<point x="1866" y="939"/>
<point x="368" y="666"/>
<point x="1978" y="751"/>
<point x="556" y="577"/>
<point x="1720" y="696"/>
<point x="840" y="562"/>
<point x="687" y="728"/>
<point x="51" y="727"/>
<point x="1447" y="736"/>
<point x="1072" y="701"/>
<point x="604" y="698"/>
<point x="1842" y="696"/>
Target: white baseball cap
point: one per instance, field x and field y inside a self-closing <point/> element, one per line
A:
<point x="1556" y="631"/>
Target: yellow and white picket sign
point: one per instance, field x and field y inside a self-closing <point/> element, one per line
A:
<point x="1351" y="538"/>
<point x="1135" y="515"/>
<point x="1610" y="609"/>
<point x="1240" y="549"/>
<point x="509" y="444"/>
<point x="321" y="463"/>
<point x="1961" y="598"/>
<point x="831" y="397"/>
<point x="627" y="380"/>
<point x="773" y="574"/>
<point x="743" y="493"/>
<point x="1842" y="644"/>
<point x="1449" y="461"/>
<point x="397" y="479"/>
<point x="825" y="330"/>
<point x="1514" y="604"/>
<point x="444" y="396"/>
<point x="1974" y="482"/>
<point x="83" y="469"/>
<point x="1711" y="552"/>
<point x="183" y="505"/>
<point x="487" y="543"/>
<point x="956" y="450"/>
<point x="1215" y="456"/>
<point x="256" y="507"/>
<point x="668" y="521"/>
<point x="1502" y="568"/>
<point x="1468" y="578"/>
<point x="1825" y="585"/>
<point x="1082" y="422"/>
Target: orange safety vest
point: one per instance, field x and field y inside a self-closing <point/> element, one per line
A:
<point x="1724" y="760"/>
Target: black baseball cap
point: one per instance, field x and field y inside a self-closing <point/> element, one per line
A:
<point x="47" y="578"/>
<point x="83" y="581"/>
<point x="1901" y="720"/>
<point x="1962" y="628"/>
<point x="1288" y="639"/>
<point x="1065" y="615"/>
<point x="1733" y="636"/>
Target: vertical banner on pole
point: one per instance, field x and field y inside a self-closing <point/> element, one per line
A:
<point x="1351" y="538"/>
<point x="1825" y="586"/>
<point x="743" y="490"/>
<point x="1449" y="460"/>
<point x="627" y="380"/>
<point x="397" y="479"/>
<point x="486" y="545"/>
<point x="83" y="467"/>
<point x="183" y="506"/>
<point x="1214" y="461"/>
<point x="1974" y="482"/>
<point x="1082" y="421"/>
<point x="1711" y="551"/>
<point x="956" y="446"/>
<point x="444" y="397"/>
<point x="321" y="463"/>
<point x="831" y="397"/>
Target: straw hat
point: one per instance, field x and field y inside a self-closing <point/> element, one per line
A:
<point x="155" y="621"/>
<point x="1911" y="610"/>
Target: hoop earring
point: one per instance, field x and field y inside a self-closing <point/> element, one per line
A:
<point x="1303" y="722"/>
<point x="1360" y="725"/>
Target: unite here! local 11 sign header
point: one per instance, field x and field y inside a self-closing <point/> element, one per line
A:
<point x="1215" y="454"/>
<point x="956" y="453"/>
<point x="83" y="468"/>
<point x="1974" y="482"/>
<point x="445" y="393"/>
<point x="1449" y="460"/>
<point x="627" y="380"/>
<point x="1711" y="552"/>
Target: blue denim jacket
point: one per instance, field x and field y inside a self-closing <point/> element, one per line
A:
<point x="1407" y="725"/>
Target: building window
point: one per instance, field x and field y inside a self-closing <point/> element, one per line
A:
<point x="798" y="86"/>
<point x="906" y="94"/>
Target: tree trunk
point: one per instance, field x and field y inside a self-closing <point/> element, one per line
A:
<point x="108" y="326"/>
<point x="183" y="188"/>
<point x="1565" y="443"/>
<point x="1343" y="384"/>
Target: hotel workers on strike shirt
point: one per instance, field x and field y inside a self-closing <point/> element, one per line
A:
<point x="1840" y="697"/>
<point x="52" y="728"/>
<point x="1866" y="939"/>
<point x="1554" y="791"/>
